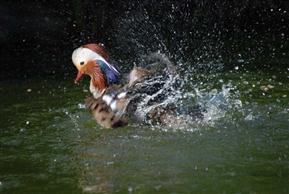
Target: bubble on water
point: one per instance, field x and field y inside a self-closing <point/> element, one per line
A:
<point x="22" y="130"/>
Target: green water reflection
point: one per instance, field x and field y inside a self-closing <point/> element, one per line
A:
<point x="49" y="144"/>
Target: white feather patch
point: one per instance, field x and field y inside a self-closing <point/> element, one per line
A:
<point x="121" y="95"/>
<point x="108" y="99"/>
<point x="113" y="106"/>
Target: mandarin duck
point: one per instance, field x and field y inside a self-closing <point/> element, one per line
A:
<point x="93" y="60"/>
<point x="145" y="98"/>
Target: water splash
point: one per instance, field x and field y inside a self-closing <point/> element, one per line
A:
<point x="217" y="103"/>
<point x="197" y="46"/>
<point x="202" y="105"/>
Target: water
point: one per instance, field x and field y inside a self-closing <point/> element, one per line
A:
<point x="50" y="144"/>
<point x="234" y="64"/>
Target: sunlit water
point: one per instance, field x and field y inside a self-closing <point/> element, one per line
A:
<point x="50" y="144"/>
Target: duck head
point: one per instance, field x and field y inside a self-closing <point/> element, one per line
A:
<point x="92" y="60"/>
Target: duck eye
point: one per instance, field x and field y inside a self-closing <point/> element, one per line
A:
<point x="82" y="62"/>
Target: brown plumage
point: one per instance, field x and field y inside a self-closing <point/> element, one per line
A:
<point x="103" y="114"/>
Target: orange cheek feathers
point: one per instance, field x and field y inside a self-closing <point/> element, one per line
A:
<point x="99" y="82"/>
<point x="98" y="79"/>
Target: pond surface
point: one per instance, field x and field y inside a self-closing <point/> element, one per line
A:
<point x="50" y="144"/>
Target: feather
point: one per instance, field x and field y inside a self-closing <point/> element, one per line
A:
<point x="99" y="49"/>
<point x="103" y="114"/>
<point x="110" y="72"/>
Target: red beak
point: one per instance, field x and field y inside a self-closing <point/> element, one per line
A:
<point x="78" y="77"/>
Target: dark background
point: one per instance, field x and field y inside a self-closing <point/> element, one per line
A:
<point x="37" y="37"/>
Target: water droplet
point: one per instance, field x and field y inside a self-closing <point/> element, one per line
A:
<point x="81" y="106"/>
<point x="249" y="117"/>
<point x="270" y="86"/>
<point x="264" y="88"/>
<point x="130" y="189"/>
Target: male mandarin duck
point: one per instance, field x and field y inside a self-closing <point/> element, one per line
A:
<point x="145" y="97"/>
<point x="93" y="60"/>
